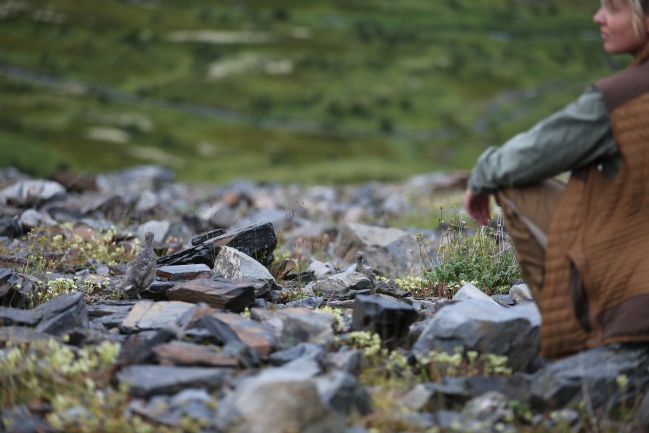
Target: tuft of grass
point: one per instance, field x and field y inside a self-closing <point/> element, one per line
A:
<point x="485" y="257"/>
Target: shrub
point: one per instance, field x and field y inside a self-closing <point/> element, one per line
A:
<point x="485" y="258"/>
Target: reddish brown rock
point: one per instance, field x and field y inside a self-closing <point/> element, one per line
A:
<point x="252" y="333"/>
<point x="216" y="292"/>
<point x="190" y="354"/>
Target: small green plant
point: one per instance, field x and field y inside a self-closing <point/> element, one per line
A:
<point x="75" y="385"/>
<point x="63" y="286"/>
<point x="438" y="364"/>
<point x="368" y="342"/>
<point x="57" y="250"/>
<point x="340" y="321"/>
<point x="54" y="288"/>
<point x="485" y="256"/>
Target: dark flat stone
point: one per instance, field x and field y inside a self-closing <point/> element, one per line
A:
<point x="18" y="317"/>
<point x="147" y="380"/>
<point x="62" y="314"/>
<point x="155" y="315"/>
<point x="257" y="241"/>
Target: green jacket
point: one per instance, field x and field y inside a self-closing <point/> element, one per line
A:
<point x="577" y="136"/>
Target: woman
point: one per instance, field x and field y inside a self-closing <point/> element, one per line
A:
<point x="582" y="246"/>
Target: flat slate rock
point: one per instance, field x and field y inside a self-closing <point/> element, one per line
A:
<point x="147" y="380"/>
<point x="190" y="354"/>
<point x="235" y="265"/>
<point x="183" y="272"/>
<point x="155" y="315"/>
<point x="219" y="293"/>
<point x="302" y="325"/>
<point x="109" y="313"/>
<point x="258" y="241"/>
<point x="253" y="334"/>
<point x="18" y="317"/>
<point x="20" y="335"/>
<point x="62" y="314"/>
<point x="278" y="400"/>
<point x="595" y="371"/>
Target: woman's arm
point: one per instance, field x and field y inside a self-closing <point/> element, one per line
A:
<point x="572" y="138"/>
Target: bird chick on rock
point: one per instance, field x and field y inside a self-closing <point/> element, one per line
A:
<point x="141" y="272"/>
<point x="365" y="270"/>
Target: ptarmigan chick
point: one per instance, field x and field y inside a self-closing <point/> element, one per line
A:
<point x="141" y="271"/>
<point x="365" y="270"/>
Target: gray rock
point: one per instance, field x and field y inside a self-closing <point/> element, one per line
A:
<point x="486" y="327"/>
<point x="216" y="292"/>
<point x="62" y="314"/>
<point x="191" y="404"/>
<point x="350" y="361"/>
<point x="278" y="400"/>
<point x="147" y="380"/>
<point x="520" y="293"/>
<point x="11" y="227"/>
<point x="430" y="397"/>
<point x="18" y="317"/>
<point x="342" y="392"/>
<point x="155" y="315"/>
<point x="218" y="215"/>
<point x="342" y="286"/>
<point x="302" y="350"/>
<point x="147" y="202"/>
<point x="643" y="414"/>
<point x="390" y="251"/>
<point x="281" y="219"/>
<point x="310" y="302"/>
<point x="20" y="420"/>
<point x="452" y="393"/>
<point x="320" y="269"/>
<point x="26" y="193"/>
<point x="160" y="230"/>
<point x="109" y="314"/>
<point x="138" y="348"/>
<point x="235" y="265"/>
<point x="387" y="317"/>
<point x="469" y="291"/>
<point x="302" y="325"/>
<point x="20" y="335"/>
<point x="10" y="175"/>
<point x="503" y="300"/>
<point x="183" y="272"/>
<point x="563" y="382"/>
<point x="32" y="218"/>
<point x="135" y="180"/>
<point x="258" y="242"/>
<point x="490" y="408"/>
<point x="253" y="334"/>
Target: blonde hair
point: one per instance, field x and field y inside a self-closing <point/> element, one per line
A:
<point x="640" y="9"/>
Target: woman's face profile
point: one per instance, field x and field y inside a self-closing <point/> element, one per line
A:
<point x="616" y="23"/>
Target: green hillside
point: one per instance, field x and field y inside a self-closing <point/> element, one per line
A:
<point x="338" y="90"/>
